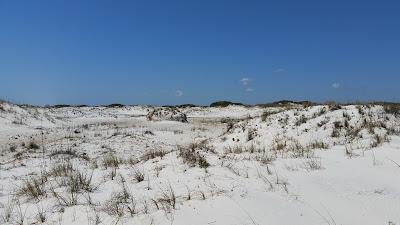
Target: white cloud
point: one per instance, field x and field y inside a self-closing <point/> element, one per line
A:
<point x="245" y="81"/>
<point x="179" y="93"/>
<point x="336" y="85"/>
<point x="280" y="70"/>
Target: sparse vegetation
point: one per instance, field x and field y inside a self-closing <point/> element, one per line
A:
<point x="393" y="109"/>
<point x="168" y="199"/>
<point x="266" y="114"/>
<point x="318" y="145"/>
<point x="378" y="140"/>
<point x="34" y="187"/>
<point x="192" y="155"/>
<point x="111" y="160"/>
<point x="223" y="104"/>
<point x="313" y="164"/>
<point x="301" y="120"/>
<point x="69" y="152"/>
<point x="154" y="153"/>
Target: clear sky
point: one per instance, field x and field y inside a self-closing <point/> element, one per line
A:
<point x="173" y="52"/>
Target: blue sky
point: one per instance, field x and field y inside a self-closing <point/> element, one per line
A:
<point x="173" y="52"/>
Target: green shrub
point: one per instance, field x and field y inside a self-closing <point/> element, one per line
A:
<point x="224" y="104"/>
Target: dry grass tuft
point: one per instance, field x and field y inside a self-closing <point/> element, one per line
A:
<point x="194" y="154"/>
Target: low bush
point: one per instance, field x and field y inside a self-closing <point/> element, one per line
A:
<point x="191" y="155"/>
<point x="223" y="104"/>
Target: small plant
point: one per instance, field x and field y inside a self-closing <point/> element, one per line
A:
<point x="115" y="206"/>
<point x="65" y="199"/>
<point x="189" y="194"/>
<point x="80" y="182"/>
<point x="191" y="155"/>
<point x="333" y="106"/>
<point x="353" y="133"/>
<point x="279" y="143"/>
<point x="21" y="215"/>
<point x="132" y="161"/>
<point x="251" y="133"/>
<point x="13" y="148"/>
<point x="231" y="166"/>
<point x="188" y="155"/>
<point x="178" y="131"/>
<point x="131" y="206"/>
<point x="323" y="122"/>
<point x="321" y="112"/>
<point x="313" y="164"/>
<point x="41" y="215"/>
<point x="148" y="132"/>
<point x="297" y="150"/>
<point x="33" y="145"/>
<point x="138" y="175"/>
<point x="267" y="114"/>
<point x="282" y="182"/>
<point x="73" y="183"/>
<point x="237" y="149"/>
<point x="119" y="203"/>
<point x="113" y="173"/>
<point x="349" y="151"/>
<point x="111" y="160"/>
<point x="203" y="162"/>
<point x="346" y="123"/>
<point x="229" y="126"/>
<point x="360" y="109"/>
<point x="168" y="199"/>
<point x="378" y="140"/>
<point x="301" y="120"/>
<point x="96" y="219"/>
<point x="61" y="170"/>
<point x="34" y="188"/>
<point x="70" y="152"/>
<point x="337" y="125"/>
<point x="346" y="116"/>
<point x="8" y="211"/>
<point x="266" y="159"/>
<point x="318" y="145"/>
<point x="154" y="153"/>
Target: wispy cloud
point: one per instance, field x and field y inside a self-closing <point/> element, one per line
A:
<point x="280" y="70"/>
<point x="179" y="93"/>
<point x="336" y="85"/>
<point x="245" y="81"/>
